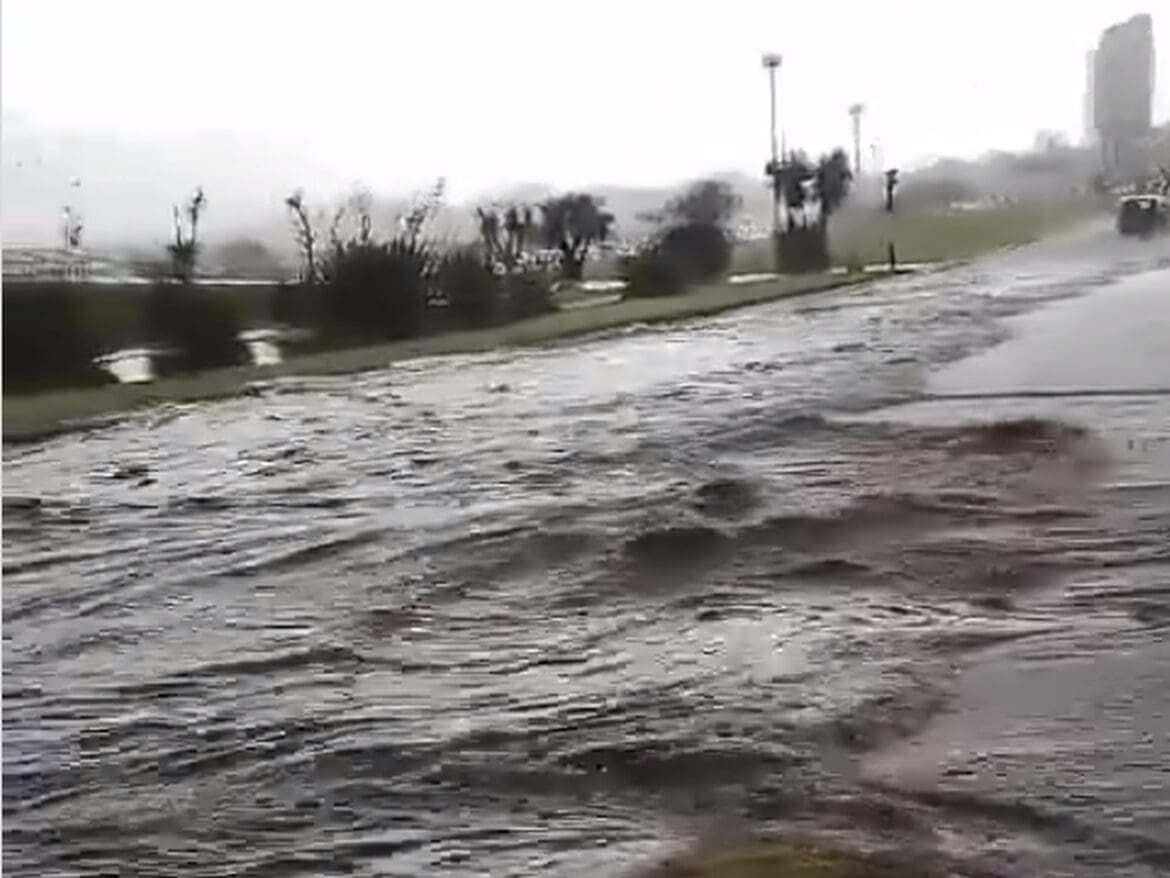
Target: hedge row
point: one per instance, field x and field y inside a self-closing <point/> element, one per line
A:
<point x="54" y="331"/>
<point x="47" y="342"/>
<point x="378" y="292"/>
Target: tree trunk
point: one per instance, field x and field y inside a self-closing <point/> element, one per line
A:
<point x="572" y="267"/>
<point x="572" y="261"/>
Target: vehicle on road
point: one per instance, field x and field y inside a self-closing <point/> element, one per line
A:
<point x="1142" y="214"/>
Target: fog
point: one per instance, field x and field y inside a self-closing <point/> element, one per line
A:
<point x="142" y="102"/>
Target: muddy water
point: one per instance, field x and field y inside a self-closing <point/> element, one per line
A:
<point x="1058" y="743"/>
<point x="555" y="610"/>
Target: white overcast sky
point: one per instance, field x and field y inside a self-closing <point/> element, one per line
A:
<point x="638" y="91"/>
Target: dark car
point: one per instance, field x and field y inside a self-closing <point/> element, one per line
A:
<point x="1142" y="214"/>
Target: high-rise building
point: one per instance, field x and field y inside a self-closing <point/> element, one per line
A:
<point x="1123" y="88"/>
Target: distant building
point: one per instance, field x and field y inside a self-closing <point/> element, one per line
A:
<point x="1123" y="91"/>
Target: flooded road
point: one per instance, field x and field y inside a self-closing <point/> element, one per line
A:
<point x="551" y="611"/>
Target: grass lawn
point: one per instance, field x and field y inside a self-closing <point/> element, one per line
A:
<point x="33" y="416"/>
<point x="935" y="236"/>
<point x="801" y="858"/>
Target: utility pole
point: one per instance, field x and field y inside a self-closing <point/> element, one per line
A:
<point x="855" y="111"/>
<point x="771" y="62"/>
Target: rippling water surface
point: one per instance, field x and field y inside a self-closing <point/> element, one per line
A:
<point x="554" y="610"/>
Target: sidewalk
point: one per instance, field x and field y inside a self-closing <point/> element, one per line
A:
<point x="1055" y="746"/>
<point x="1114" y="338"/>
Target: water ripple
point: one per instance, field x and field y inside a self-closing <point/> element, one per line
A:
<point x="548" y="609"/>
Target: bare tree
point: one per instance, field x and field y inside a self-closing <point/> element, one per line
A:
<point x="358" y="206"/>
<point x="184" y="250"/>
<point x="424" y="210"/>
<point x="505" y="233"/>
<point x="336" y="242"/>
<point x="305" y="235"/>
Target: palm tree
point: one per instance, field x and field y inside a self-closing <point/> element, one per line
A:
<point x="804" y="246"/>
<point x="793" y="176"/>
<point x="832" y="180"/>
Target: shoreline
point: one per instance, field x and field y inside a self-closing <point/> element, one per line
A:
<point x="35" y="418"/>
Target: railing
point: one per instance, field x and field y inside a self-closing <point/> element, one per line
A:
<point x="49" y="264"/>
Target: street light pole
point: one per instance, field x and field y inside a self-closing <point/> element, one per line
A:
<point x="772" y="64"/>
<point x="855" y="111"/>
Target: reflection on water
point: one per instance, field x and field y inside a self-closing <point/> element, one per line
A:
<point x="542" y="611"/>
<point x="263" y="346"/>
<point x="136" y="365"/>
<point x="130" y="366"/>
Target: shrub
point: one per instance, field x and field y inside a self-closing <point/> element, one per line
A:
<point x="802" y="249"/>
<point x="683" y="254"/>
<point x="46" y="342"/>
<point x="299" y="304"/>
<point x="702" y="250"/>
<point x="653" y="271"/>
<point x="198" y="331"/>
<point x="302" y="306"/>
<point x="527" y="295"/>
<point x="377" y="291"/>
<point x="472" y="291"/>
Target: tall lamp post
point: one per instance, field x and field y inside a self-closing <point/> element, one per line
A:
<point x="855" y="111"/>
<point x="875" y="163"/>
<point x="771" y="61"/>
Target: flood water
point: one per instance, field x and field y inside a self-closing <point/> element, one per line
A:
<point x="557" y="610"/>
<point x="137" y="365"/>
